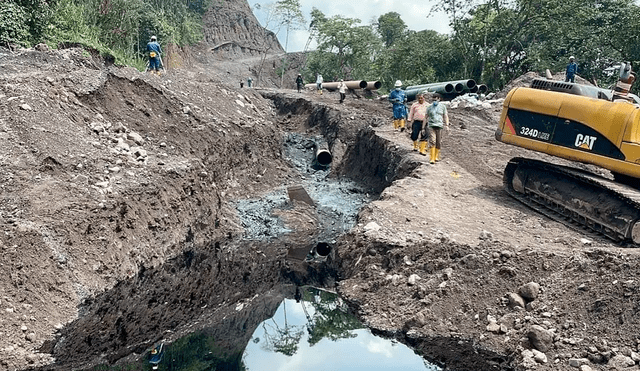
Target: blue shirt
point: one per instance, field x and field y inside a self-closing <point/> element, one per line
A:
<point x="572" y="68"/>
<point x="154" y="47"/>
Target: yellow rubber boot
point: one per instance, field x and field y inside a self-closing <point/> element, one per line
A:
<point x="401" y="124"/>
<point x="437" y="154"/>
<point x="423" y="148"/>
<point x="415" y="145"/>
<point x="432" y="157"/>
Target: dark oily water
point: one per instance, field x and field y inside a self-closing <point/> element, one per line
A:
<point x="316" y="332"/>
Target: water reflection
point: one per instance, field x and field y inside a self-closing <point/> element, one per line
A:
<point x="312" y="331"/>
<point x="317" y="332"/>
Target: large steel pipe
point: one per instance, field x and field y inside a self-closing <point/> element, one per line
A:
<point x="464" y="85"/>
<point x="333" y="85"/>
<point x="444" y="88"/>
<point x="323" y="155"/>
<point x="373" y="85"/>
<point x="482" y="88"/>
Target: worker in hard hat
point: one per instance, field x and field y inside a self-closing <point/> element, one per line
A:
<point x="437" y="119"/>
<point x="417" y="114"/>
<point x="319" y="81"/>
<point x="572" y="69"/>
<point x="299" y="82"/>
<point x="398" y="98"/>
<point x="154" y="50"/>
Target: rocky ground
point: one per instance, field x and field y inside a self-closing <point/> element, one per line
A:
<point x="119" y="211"/>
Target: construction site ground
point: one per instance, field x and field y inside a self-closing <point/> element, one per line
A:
<point x="108" y="175"/>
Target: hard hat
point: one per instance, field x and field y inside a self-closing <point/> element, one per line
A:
<point x="153" y="38"/>
<point x="571" y="57"/>
<point x="398" y="83"/>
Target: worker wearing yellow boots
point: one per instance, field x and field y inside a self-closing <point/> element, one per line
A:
<point x="398" y="98"/>
<point x="437" y="119"/>
<point x="417" y="119"/>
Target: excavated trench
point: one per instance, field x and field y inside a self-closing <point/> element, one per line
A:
<point x="225" y="289"/>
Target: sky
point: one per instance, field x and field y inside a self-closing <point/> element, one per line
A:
<point x="364" y="352"/>
<point x="414" y="13"/>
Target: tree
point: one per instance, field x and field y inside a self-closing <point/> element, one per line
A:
<point x="288" y="14"/>
<point x="391" y="27"/>
<point x="345" y="48"/>
<point x="24" y="22"/>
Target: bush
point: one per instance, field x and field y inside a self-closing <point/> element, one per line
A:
<point x="14" y="27"/>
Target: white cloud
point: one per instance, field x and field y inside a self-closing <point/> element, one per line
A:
<point x="414" y="13"/>
<point x="380" y="346"/>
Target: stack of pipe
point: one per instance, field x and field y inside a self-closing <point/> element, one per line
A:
<point x="448" y="90"/>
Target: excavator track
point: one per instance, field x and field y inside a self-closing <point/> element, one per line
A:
<point x="576" y="198"/>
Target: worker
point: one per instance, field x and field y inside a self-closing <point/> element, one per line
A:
<point x="417" y="119"/>
<point x="249" y="81"/>
<point x="342" y="89"/>
<point x="437" y="119"/>
<point x="398" y="98"/>
<point x="319" y="81"/>
<point x="572" y="69"/>
<point x="299" y="82"/>
<point x="154" y="50"/>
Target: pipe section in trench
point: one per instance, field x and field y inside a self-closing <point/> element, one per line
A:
<point x="323" y="156"/>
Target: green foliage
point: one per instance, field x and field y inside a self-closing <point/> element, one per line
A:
<point x="345" y="49"/>
<point x="13" y="23"/>
<point x="289" y="14"/>
<point x="391" y="27"/>
<point x="23" y="22"/>
<point x="331" y="319"/>
<point x="120" y="28"/>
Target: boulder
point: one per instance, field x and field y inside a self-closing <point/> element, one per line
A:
<point x="540" y="338"/>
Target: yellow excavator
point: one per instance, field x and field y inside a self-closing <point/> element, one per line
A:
<point x="585" y="124"/>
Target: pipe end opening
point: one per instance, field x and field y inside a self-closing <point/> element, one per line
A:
<point x="323" y="249"/>
<point x="324" y="158"/>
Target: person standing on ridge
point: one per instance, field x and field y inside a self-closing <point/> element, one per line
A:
<point x="572" y="69"/>
<point x="299" y="82"/>
<point x="417" y="114"/>
<point x="319" y="82"/>
<point x="437" y="119"/>
<point x="342" y="88"/>
<point x="154" y="50"/>
<point x="398" y="98"/>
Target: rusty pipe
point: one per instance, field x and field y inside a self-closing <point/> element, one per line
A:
<point x="333" y="85"/>
<point x="373" y="85"/>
